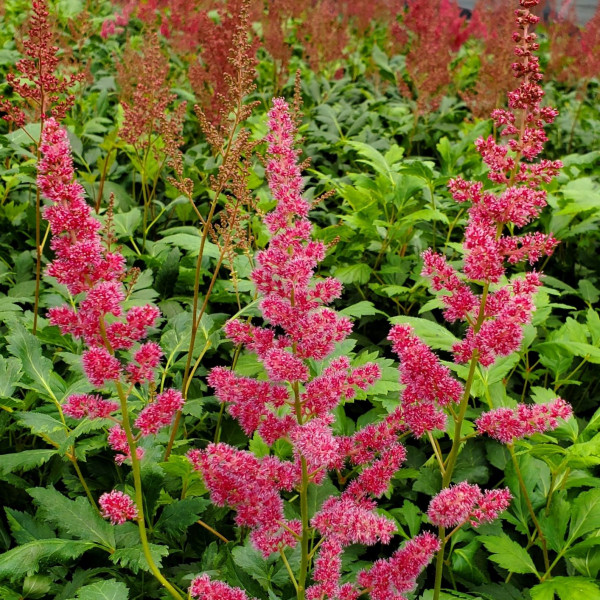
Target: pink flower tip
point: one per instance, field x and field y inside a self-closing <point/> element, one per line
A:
<point x="118" y="507"/>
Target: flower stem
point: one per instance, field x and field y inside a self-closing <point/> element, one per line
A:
<point x="139" y="500"/>
<point x="536" y="523"/>
<point x="456" y="441"/>
<point x="304" y="553"/>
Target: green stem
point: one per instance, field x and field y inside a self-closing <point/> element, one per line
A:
<point x="139" y="500"/>
<point x="536" y="523"/>
<point x="456" y="441"/>
<point x="304" y="553"/>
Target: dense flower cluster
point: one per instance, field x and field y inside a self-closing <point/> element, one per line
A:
<point x="118" y="507"/>
<point x="39" y="85"/>
<point x="205" y="589"/>
<point x="495" y="318"/>
<point x="296" y="405"/>
<point x="464" y="502"/>
<point x="86" y="265"/>
<point x="508" y="424"/>
<point x="427" y="383"/>
<point x="391" y="579"/>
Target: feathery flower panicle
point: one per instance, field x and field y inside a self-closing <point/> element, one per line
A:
<point x="428" y="384"/>
<point x="295" y="405"/>
<point x="252" y="487"/>
<point x="86" y="265"/>
<point x="464" y="502"/>
<point x="118" y="507"/>
<point x="38" y="84"/>
<point x="497" y="331"/>
<point x="507" y="424"/>
<point x="160" y="413"/>
<point x="390" y="579"/>
<point x="91" y="406"/>
<point x="204" y="589"/>
<point x="148" y="103"/>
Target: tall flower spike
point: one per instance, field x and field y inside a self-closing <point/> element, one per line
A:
<point x="86" y="265"/>
<point x="497" y="331"/>
<point x="38" y="83"/>
<point x="295" y="405"/>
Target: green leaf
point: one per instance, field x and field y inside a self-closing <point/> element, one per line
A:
<point x="25" y="528"/>
<point x="508" y="554"/>
<point x="566" y="588"/>
<point x="586" y="514"/>
<point x="262" y="570"/>
<point x="127" y="223"/>
<point x="27" y="348"/>
<point x="363" y="308"/>
<point x="373" y="158"/>
<point x="133" y="558"/>
<point x="178" y="516"/>
<point x="24" y="460"/>
<point x="104" y="590"/>
<point x="358" y="273"/>
<point x="430" y="332"/>
<point x="10" y="375"/>
<point x="74" y="517"/>
<point x="43" y="425"/>
<point x="29" y="557"/>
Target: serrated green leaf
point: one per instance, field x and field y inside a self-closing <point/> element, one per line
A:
<point x="29" y="557"/>
<point x="10" y="375"/>
<point x="104" y="590"/>
<point x="361" y="309"/>
<point x="24" y="460"/>
<point x="74" y="517"/>
<point x="586" y="514"/>
<point x="133" y="558"/>
<point x="178" y="516"/>
<point x="358" y="273"/>
<point x="508" y="554"/>
<point x="25" y="528"/>
<point x="27" y="348"/>
<point x="567" y="588"/>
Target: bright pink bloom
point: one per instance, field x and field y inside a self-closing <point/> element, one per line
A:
<point x="92" y="406"/>
<point x="464" y="502"/>
<point x="428" y="384"/>
<point x="490" y="506"/>
<point x="117" y="440"/>
<point x="506" y="424"/>
<point x="390" y="579"/>
<point x="327" y="571"/>
<point x="160" y="413"/>
<point x="203" y="588"/>
<point x="100" y="366"/>
<point x="317" y="444"/>
<point x="147" y="357"/>
<point x="251" y="486"/>
<point x="353" y="521"/>
<point x="118" y="507"/>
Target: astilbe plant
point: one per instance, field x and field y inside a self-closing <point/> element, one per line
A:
<point x="40" y="91"/>
<point x="152" y="122"/>
<point x="296" y="405"/>
<point x="493" y="308"/>
<point x="429" y="33"/>
<point x="116" y="361"/>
